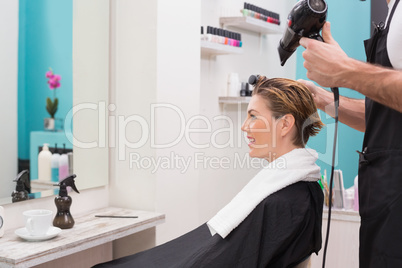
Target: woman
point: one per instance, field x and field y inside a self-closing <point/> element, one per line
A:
<point x="275" y="221"/>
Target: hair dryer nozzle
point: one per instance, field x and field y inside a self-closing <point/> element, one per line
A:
<point x="284" y="55"/>
<point x="317" y="5"/>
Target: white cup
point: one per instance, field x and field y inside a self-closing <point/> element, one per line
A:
<point x="38" y="221"/>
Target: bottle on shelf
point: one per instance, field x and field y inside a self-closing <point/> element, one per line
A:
<point x="243" y="91"/>
<point x="232" y="36"/>
<point x="44" y="163"/>
<point x="63" y="164"/>
<point x="263" y="16"/>
<point x="209" y="34"/>
<point x="225" y="35"/>
<point x="55" y="164"/>
<point x="228" y="35"/>
<point x="213" y="36"/>
<point x="270" y="19"/>
<point x="239" y="42"/>
<point x="221" y="37"/>
<point x="245" y="10"/>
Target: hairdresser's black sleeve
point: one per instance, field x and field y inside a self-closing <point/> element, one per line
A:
<point x="281" y="231"/>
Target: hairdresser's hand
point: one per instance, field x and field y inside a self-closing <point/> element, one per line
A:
<point x="326" y="62"/>
<point x="321" y="96"/>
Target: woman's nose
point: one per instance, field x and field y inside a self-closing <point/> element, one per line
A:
<point x="245" y="126"/>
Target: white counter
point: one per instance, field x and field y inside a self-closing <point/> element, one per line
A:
<point x="342" y="215"/>
<point x="88" y="232"/>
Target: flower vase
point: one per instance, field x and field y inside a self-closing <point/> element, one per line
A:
<point x="49" y="124"/>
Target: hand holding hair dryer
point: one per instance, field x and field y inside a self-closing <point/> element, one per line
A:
<point x="305" y="20"/>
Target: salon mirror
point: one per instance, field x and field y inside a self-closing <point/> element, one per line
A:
<point x="85" y="123"/>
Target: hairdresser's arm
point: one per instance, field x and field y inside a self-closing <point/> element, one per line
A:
<point x="351" y="111"/>
<point x="329" y="66"/>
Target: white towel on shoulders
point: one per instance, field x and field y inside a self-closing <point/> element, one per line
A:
<point x="296" y="165"/>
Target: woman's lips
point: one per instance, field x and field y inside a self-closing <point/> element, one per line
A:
<point x="251" y="140"/>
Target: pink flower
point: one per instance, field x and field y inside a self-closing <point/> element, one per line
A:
<point x="57" y="77"/>
<point x="54" y="79"/>
<point x="53" y="83"/>
<point x="49" y="74"/>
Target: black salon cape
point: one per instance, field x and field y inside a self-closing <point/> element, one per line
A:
<point x="281" y="231"/>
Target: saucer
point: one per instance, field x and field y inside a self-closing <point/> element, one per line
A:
<point x="52" y="232"/>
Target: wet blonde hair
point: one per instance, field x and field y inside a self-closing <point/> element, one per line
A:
<point x="286" y="96"/>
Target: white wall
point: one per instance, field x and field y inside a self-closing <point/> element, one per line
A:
<point x="178" y="65"/>
<point x="153" y="64"/>
<point x="8" y="95"/>
<point x="133" y="85"/>
<point x="132" y="89"/>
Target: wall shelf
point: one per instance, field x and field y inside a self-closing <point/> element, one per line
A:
<point x="210" y="48"/>
<point x="234" y="100"/>
<point x="251" y="24"/>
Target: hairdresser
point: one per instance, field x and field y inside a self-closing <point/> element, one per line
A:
<point x="380" y="117"/>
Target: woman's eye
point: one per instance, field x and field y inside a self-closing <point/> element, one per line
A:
<point x="253" y="116"/>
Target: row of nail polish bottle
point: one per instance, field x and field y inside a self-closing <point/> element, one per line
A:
<point x="250" y="10"/>
<point x="221" y="36"/>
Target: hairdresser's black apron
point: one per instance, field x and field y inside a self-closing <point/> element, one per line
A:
<point x="380" y="172"/>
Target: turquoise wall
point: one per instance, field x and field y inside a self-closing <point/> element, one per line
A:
<point x="45" y="40"/>
<point x="350" y="25"/>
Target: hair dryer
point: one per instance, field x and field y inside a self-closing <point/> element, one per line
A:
<point x="305" y="20"/>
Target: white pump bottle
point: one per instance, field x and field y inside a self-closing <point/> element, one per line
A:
<point x="44" y="163"/>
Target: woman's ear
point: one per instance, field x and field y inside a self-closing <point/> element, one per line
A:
<point x="286" y="125"/>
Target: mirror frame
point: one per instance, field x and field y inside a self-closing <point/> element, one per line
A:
<point x="91" y="30"/>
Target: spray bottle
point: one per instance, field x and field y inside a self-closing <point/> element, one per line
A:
<point x="63" y="218"/>
<point x="23" y="183"/>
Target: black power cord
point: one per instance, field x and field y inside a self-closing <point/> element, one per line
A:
<point x="335" y="90"/>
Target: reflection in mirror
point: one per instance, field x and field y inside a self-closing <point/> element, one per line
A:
<point x="38" y="35"/>
<point x="45" y="55"/>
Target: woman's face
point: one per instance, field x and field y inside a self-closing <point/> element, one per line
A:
<point x="262" y="131"/>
